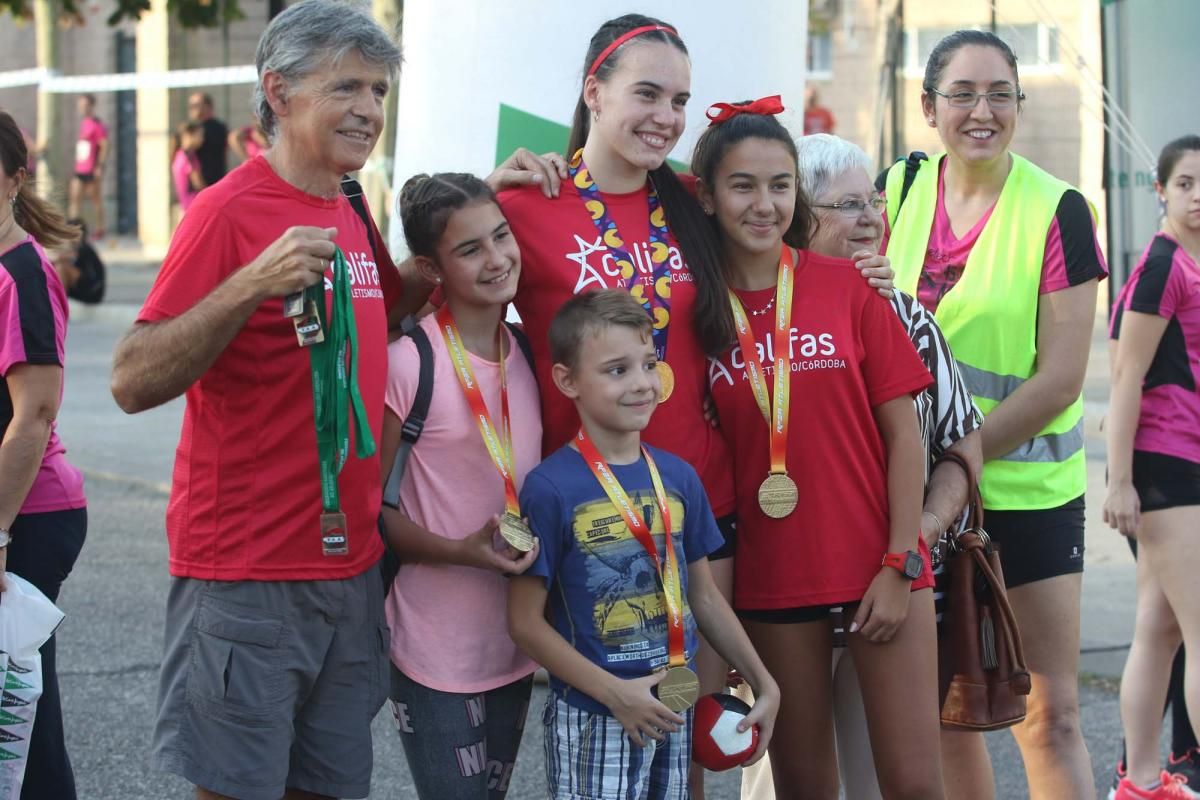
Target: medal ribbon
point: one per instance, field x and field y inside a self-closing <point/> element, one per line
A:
<point x="657" y="301"/>
<point x="774" y="410"/>
<point x="498" y="443"/>
<point x="670" y="577"/>
<point x="334" y="364"/>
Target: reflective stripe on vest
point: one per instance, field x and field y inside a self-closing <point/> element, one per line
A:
<point x="990" y="320"/>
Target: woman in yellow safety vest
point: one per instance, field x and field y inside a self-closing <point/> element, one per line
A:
<point x="1006" y="257"/>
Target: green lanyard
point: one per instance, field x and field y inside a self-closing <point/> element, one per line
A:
<point x="335" y="393"/>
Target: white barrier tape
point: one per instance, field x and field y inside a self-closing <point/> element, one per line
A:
<point x="49" y="81"/>
<point x="22" y="77"/>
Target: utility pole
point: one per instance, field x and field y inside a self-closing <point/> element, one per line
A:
<point x="898" y="85"/>
<point x="49" y="130"/>
<point x="377" y="176"/>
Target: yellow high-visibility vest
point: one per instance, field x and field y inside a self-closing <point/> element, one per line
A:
<point x="990" y="320"/>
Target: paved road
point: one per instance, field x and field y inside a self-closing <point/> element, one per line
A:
<point x="110" y="643"/>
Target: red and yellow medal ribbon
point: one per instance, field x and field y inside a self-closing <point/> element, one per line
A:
<point x="669" y="574"/>
<point x="497" y="442"/>
<point x="774" y="408"/>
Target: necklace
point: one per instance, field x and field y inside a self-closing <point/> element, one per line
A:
<point x="764" y="311"/>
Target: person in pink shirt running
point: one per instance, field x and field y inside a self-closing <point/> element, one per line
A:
<point x="91" y="151"/>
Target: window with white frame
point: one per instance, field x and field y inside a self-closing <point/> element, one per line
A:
<point x="820" y="54"/>
<point x="1035" y="45"/>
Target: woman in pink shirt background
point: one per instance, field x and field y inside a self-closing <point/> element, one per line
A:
<point x="1154" y="470"/>
<point x="185" y="166"/>
<point x="43" y="515"/>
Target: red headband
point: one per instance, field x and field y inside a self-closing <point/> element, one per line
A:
<point x="622" y="39"/>
<point x="721" y="112"/>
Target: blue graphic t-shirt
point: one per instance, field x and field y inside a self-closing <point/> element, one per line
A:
<point x="605" y="595"/>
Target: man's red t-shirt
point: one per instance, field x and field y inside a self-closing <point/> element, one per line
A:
<point x="562" y="255"/>
<point x="246" y="495"/>
<point x="849" y="354"/>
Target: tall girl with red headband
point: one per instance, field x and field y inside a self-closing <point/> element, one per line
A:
<point x="623" y="219"/>
<point x="815" y="401"/>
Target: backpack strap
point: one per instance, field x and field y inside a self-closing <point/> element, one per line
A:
<point x="912" y="165"/>
<point x="414" y="423"/>
<point x="522" y="342"/>
<point x="353" y="191"/>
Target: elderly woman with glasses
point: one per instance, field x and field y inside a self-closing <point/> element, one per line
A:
<point x="835" y="176"/>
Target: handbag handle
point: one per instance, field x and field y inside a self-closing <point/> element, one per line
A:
<point x="974" y="539"/>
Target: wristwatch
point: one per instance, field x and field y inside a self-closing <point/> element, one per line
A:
<point x="908" y="563"/>
<point x="5" y="538"/>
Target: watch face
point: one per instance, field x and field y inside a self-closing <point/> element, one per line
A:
<point x="913" y="566"/>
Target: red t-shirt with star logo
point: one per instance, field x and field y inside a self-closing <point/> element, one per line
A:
<point x="849" y="354"/>
<point x="561" y="256"/>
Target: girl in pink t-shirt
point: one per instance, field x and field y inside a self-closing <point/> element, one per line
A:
<point x="185" y="167"/>
<point x="1154" y="475"/>
<point x="460" y="686"/>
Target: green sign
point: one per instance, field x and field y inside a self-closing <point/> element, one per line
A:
<point x="517" y="128"/>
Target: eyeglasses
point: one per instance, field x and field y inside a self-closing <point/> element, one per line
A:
<point x="854" y="208"/>
<point x="999" y="99"/>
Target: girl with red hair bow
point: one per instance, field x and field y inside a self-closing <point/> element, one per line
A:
<point x="816" y="403"/>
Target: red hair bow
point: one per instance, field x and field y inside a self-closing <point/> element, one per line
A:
<point x="721" y="112"/>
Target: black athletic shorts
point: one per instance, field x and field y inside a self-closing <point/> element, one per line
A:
<point x="85" y="177"/>
<point x="1165" y="481"/>
<point x="728" y="527"/>
<point x="1040" y="544"/>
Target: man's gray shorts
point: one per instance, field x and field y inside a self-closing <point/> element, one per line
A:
<point x="270" y="685"/>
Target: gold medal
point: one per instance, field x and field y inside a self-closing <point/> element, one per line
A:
<point x="666" y="377"/>
<point x="514" y="531"/>
<point x="778" y="495"/>
<point x="679" y="690"/>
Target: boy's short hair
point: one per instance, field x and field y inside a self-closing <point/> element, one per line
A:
<point x="585" y="314"/>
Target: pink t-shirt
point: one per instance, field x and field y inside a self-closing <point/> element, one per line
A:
<point x="33" y="329"/>
<point x="87" y="148"/>
<point x="1166" y="282"/>
<point x="253" y="148"/>
<point x="449" y="625"/>
<point x="182" y="167"/>
<point x="1072" y="255"/>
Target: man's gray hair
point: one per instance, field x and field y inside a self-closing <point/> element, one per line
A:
<point x="823" y="157"/>
<point x="307" y="34"/>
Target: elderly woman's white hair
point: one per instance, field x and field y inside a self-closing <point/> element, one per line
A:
<point x="823" y="157"/>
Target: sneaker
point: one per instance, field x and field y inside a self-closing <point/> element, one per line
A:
<point x="1118" y="776"/>
<point x="1187" y="765"/>
<point x="1173" y="787"/>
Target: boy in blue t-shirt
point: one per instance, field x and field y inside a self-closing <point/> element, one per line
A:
<point x="621" y="635"/>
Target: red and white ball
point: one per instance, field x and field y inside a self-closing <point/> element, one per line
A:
<point x="717" y="744"/>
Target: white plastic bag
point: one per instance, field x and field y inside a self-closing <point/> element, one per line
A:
<point x="27" y="620"/>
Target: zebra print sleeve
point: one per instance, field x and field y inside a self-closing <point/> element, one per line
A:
<point x="949" y="412"/>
